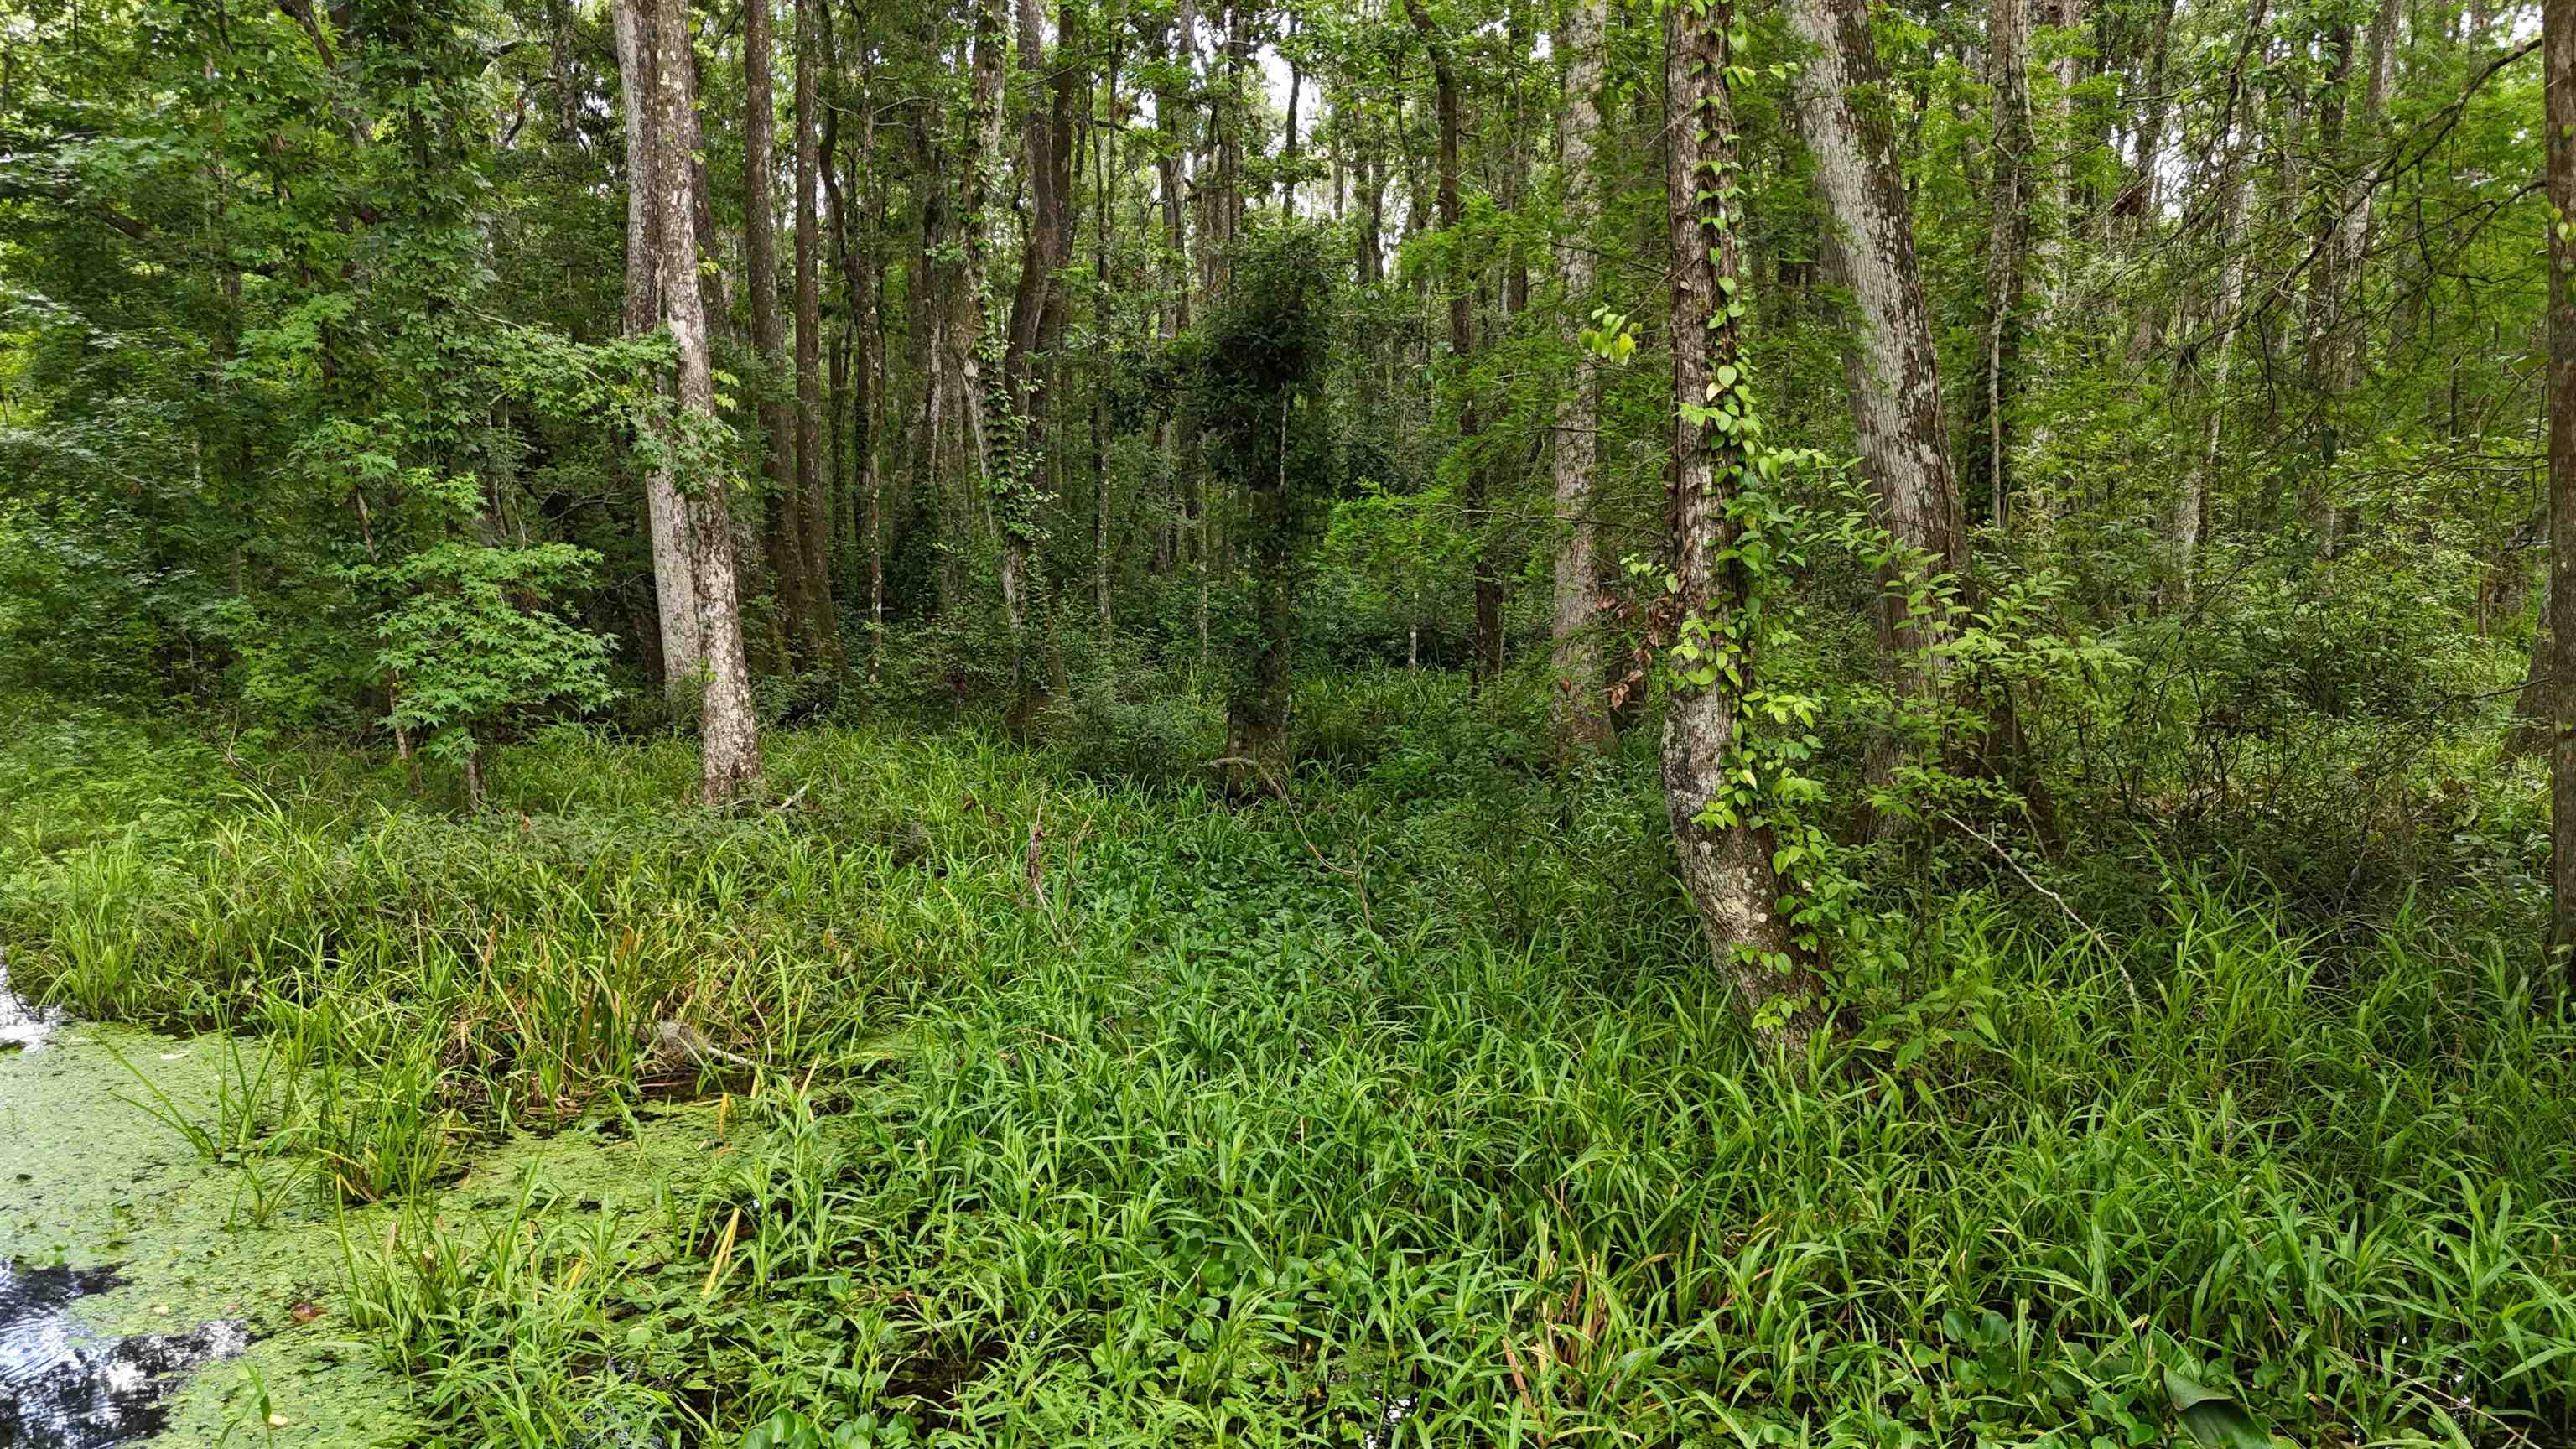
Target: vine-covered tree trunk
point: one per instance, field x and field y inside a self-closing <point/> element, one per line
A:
<point x="822" y="628"/>
<point x="2558" y="75"/>
<point x="1725" y="858"/>
<point x="1893" y="377"/>
<point x="1045" y="146"/>
<point x="674" y="578"/>
<point x="729" y="735"/>
<point x="1581" y="715"/>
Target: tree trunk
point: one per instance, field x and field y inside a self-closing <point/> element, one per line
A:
<point x="2065" y="70"/>
<point x="1892" y="375"/>
<point x="2338" y="347"/>
<point x="729" y="735"/>
<point x="2182" y="528"/>
<point x="1462" y="343"/>
<point x="2558" y="73"/>
<point x="861" y="271"/>
<point x="2536" y="702"/>
<point x="822" y="628"/>
<point x="1581" y="716"/>
<point x="1046" y="144"/>
<point x="782" y="523"/>
<point x="1105" y="172"/>
<point x="2007" y="243"/>
<point x="1725" y="857"/>
<point x="965" y="322"/>
<point x="674" y="578"/>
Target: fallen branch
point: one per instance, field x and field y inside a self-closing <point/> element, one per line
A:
<point x="2135" y="1004"/>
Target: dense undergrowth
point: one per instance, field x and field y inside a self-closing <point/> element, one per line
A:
<point x="1408" y="1113"/>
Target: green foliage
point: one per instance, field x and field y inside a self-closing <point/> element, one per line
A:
<point x="1403" y="1101"/>
<point x="471" y="638"/>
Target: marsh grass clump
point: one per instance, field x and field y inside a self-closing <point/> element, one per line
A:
<point x="1396" y="1108"/>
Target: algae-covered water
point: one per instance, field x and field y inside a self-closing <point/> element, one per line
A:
<point x="149" y="1296"/>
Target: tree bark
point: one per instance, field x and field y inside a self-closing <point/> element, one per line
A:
<point x="674" y="578"/>
<point x="1045" y="146"/>
<point x="860" y="273"/>
<point x="1725" y="857"/>
<point x="965" y="322"/>
<point x="1892" y="374"/>
<point x="2558" y="72"/>
<point x="781" y="521"/>
<point x="2182" y="528"/>
<point x="1581" y="715"/>
<point x="728" y="732"/>
<point x="1462" y="343"/>
<point x="2007" y="243"/>
<point x="2065" y="70"/>
<point x="2535" y="704"/>
<point x="822" y="628"/>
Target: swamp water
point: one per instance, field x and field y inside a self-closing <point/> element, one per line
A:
<point x="140" y="1304"/>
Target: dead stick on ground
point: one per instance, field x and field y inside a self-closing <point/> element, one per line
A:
<point x="2033" y="882"/>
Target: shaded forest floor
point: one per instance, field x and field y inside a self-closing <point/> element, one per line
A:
<point x="1071" y="1110"/>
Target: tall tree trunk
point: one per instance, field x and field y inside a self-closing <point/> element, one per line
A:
<point x="2558" y="84"/>
<point x="2325" y="300"/>
<point x="778" y="426"/>
<point x="2535" y="704"/>
<point x="2007" y="243"/>
<point x="2182" y="528"/>
<point x="2339" y="343"/>
<point x="1462" y="343"/>
<point x="822" y="628"/>
<point x="2065" y="69"/>
<point x="1288" y="143"/>
<point x="729" y="734"/>
<point x="1045" y="146"/>
<point x="1581" y="717"/>
<point x="2139" y="209"/>
<point x="1105" y="172"/>
<point x="965" y="322"/>
<point x="674" y="578"/>
<point x="861" y="272"/>
<point x="1371" y="165"/>
<point x="1725" y="858"/>
<point x="1893" y="376"/>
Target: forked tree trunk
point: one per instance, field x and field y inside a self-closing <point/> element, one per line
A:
<point x="1725" y="859"/>
<point x="1891" y="373"/>
<point x="1581" y="715"/>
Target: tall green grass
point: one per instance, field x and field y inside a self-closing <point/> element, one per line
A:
<point x="1406" y="1113"/>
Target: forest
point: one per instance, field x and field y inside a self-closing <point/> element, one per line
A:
<point x="799" y="724"/>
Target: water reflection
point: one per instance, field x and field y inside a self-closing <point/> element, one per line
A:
<point x="23" y="1026"/>
<point x="65" y="1387"/>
